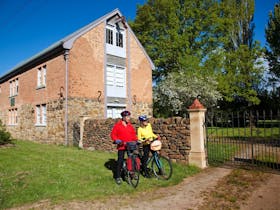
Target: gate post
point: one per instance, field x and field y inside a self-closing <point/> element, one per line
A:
<point x="83" y="118"/>
<point x="197" y="154"/>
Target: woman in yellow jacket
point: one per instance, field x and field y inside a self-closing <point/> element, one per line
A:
<point x="145" y="135"/>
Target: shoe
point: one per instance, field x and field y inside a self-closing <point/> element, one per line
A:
<point x="147" y="175"/>
<point x="133" y="175"/>
<point x="118" y="181"/>
<point x="161" y="172"/>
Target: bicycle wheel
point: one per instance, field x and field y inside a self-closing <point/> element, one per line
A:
<point x="134" y="175"/>
<point x="133" y="178"/>
<point x="162" y="167"/>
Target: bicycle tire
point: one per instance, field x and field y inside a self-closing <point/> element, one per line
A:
<point x="164" y="170"/>
<point x="134" y="175"/>
<point x="133" y="178"/>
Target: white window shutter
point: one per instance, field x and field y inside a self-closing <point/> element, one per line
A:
<point x="116" y="81"/>
<point x="38" y="115"/>
<point x="44" y="75"/>
<point x="44" y="114"/>
<point x="39" y="75"/>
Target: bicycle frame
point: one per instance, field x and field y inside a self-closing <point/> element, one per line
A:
<point x="154" y="157"/>
<point x="160" y="165"/>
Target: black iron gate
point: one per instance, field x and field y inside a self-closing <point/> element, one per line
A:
<point x="248" y="138"/>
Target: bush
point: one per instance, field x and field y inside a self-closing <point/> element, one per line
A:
<point x="5" y="136"/>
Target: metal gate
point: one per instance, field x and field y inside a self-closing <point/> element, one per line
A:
<point x="248" y="138"/>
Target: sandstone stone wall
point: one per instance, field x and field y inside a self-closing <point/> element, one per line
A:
<point x="54" y="131"/>
<point x="174" y="134"/>
<point x="26" y="128"/>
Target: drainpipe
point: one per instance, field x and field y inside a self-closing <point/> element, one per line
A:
<point x="128" y="72"/>
<point x="66" y="58"/>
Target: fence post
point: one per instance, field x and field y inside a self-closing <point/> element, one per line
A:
<point x="197" y="154"/>
<point x="83" y="118"/>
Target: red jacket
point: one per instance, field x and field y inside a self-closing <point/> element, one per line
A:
<point x="125" y="133"/>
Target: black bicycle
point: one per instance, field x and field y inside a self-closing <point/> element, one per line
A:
<point x="159" y="165"/>
<point x="131" y="166"/>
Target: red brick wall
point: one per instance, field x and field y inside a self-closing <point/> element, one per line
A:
<point x="86" y="69"/>
<point x="141" y="73"/>
<point x="28" y="92"/>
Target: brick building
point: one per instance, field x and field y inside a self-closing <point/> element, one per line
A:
<point x="98" y="70"/>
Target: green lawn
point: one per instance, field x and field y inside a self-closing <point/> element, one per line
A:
<point x="244" y="132"/>
<point x="219" y="153"/>
<point x="31" y="172"/>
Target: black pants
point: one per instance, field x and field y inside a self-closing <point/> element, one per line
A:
<point x="146" y="151"/>
<point x="120" y="162"/>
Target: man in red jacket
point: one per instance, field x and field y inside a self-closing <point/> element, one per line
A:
<point x="122" y="132"/>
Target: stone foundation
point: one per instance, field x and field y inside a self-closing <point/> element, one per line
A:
<point x="54" y="131"/>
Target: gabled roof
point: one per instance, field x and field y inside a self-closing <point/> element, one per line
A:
<point x="64" y="44"/>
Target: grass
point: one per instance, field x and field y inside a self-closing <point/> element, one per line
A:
<point x="30" y="172"/>
<point x="220" y="152"/>
<point x="243" y="132"/>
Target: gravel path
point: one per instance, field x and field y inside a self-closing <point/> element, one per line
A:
<point x="266" y="197"/>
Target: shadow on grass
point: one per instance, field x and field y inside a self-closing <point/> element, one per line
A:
<point x="111" y="164"/>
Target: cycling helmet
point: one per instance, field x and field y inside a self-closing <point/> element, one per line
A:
<point x="125" y="113"/>
<point x="143" y="118"/>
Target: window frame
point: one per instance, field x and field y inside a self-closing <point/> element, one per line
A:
<point x="41" y="115"/>
<point x="114" y="86"/>
<point x="42" y="77"/>
<point x="13" y="117"/>
<point x="14" y="87"/>
<point x="119" y="39"/>
<point x="109" y="36"/>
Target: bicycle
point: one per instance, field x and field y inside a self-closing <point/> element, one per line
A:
<point x="131" y="171"/>
<point x="160" y="165"/>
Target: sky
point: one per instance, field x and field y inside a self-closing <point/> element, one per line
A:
<point x="30" y="26"/>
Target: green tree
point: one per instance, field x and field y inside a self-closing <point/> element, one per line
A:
<point x="241" y="70"/>
<point x="174" y="32"/>
<point x="272" y="33"/>
<point x="199" y="43"/>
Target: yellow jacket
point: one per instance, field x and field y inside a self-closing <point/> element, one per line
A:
<point x="145" y="133"/>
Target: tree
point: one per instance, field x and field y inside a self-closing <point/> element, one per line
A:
<point x="173" y="32"/>
<point x="272" y="33"/>
<point x="199" y="43"/>
<point x="241" y="67"/>
<point x="176" y="93"/>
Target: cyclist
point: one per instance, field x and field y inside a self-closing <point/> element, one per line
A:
<point x="122" y="132"/>
<point x="145" y="135"/>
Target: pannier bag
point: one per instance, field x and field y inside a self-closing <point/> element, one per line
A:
<point x="131" y="146"/>
<point x="129" y="163"/>
<point x="156" y="145"/>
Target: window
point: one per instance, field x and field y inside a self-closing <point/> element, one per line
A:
<point x="115" y="40"/>
<point x="116" y="81"/>
<point x="41" y="76"/>
<point x="14" y="87"/>
<point x="41" y="115"/>
<point x="13" y="117"/>
<point x="109" y="36"/>
<point x="119" y="39"/>
<point x="114" y="112"/>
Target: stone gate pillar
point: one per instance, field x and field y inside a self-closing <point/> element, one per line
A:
<point x="82" y="125"/>
<point x="197" y="154"/>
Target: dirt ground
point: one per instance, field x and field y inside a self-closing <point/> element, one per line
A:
<point x="214" y="188"/>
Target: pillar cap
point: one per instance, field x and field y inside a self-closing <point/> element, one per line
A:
<point x="196" y="105"/>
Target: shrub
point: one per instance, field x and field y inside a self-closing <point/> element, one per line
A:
<point x="5" y="136"/>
